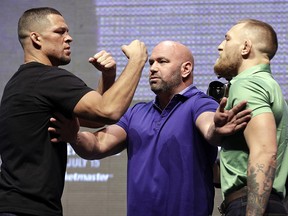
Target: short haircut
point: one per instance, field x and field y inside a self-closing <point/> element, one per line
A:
<point x="31" y="17"/>
<point x="265" y="34"/>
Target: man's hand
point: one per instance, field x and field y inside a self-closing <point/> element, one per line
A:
<point x="104" y="62"/>
<point x="137" y="50"/>
<point x="65" y="129"/>
<point x="228" y="122"/>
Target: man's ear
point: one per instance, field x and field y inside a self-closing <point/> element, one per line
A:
<point x="35" y="38"/>
<point x="186" y="69"/>
<point x="247" y="46"/>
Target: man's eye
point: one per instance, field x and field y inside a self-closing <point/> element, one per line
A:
<point x="61" y="31"/>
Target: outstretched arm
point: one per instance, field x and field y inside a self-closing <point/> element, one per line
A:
<point x="97" y="145"/>
<point x="109" y="107"/>
<point x="223" y="122"/>
<point x="100" y="144"/>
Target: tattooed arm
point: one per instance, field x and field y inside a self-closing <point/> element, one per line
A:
<point x="260" y="135"/>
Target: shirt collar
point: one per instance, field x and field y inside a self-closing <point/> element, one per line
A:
<point x="252" y="70"/>
<point x="155" y="102"/>
<point x="186" y="89"/>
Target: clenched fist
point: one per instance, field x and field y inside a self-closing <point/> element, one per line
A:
<point x="104" y="62"/>
<point x="136" y="50"/>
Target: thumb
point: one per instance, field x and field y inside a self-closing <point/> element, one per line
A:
<point x="222" y="105"/>
<point x="124" y="50"/>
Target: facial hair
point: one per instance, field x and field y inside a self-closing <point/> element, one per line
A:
<point x="60" y="61"/>
<point x="163" y="86"/>
<point x="227" y="67"/>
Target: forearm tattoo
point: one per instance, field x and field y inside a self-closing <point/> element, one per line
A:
<point x="259" y="192"/>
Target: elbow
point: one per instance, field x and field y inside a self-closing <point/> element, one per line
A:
<point x="110" y="118"/>
<point x="273" y="157"/>
<point x="269" y="156"/>
<point x="112" y="114"/>
<point x="106" y="116"/>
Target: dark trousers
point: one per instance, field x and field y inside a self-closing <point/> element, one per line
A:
<point x="238" y="208"/>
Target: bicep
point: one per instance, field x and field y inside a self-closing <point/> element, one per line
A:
<point x="88" y="104"/>
<point x="92" y="107"/>
<point x="204" y="121"/>
<point x="95" y="107"/>
<point x="260" y="134"/>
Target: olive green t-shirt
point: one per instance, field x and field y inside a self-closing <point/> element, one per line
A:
<point x="257" y="86"/>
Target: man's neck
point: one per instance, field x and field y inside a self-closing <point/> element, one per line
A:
<point x="246" y="64"/>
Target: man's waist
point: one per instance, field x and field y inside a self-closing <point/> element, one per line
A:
<point x="243" y="192"/>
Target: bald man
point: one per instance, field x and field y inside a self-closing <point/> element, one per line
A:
<point x="254" y="163"/>
<point x="167" y="140"/>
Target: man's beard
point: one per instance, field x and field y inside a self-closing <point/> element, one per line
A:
<point x="226" y="67"/>
<point x="65" y="61"/>
<point x="166" y="87"/>
<point x="60" y="61"/>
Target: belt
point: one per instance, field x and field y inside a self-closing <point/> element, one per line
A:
<point x="241" y="193"/>
<point x="235" y="195"/>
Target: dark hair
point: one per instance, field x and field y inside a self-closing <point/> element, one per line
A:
<point x="31" y="17"/>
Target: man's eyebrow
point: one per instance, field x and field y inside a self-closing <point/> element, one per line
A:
<point x="61" y="28"/>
